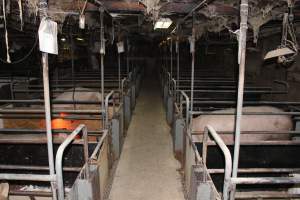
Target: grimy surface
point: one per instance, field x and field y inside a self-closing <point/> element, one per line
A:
<point x="147" y="169"/>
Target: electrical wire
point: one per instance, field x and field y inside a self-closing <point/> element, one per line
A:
<point x="292" y="44"/>
<point x="83" y="8"/>
<point x="6" y="34"/>
<point x="25" y="57"/>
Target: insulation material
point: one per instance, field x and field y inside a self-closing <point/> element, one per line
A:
<point x="6" y="33"/>
<point x="31" y="7"/>
<point x="200" y="29"/>
<point x="214" y="25"/>
<point x="58" y="15"/>
<point x="150" y="4"/>
<point x="59" y="10"/>
<point x="262" y="12"/>
<point x="216" y="17"/>
<point x="218" y="24"/>
<point x="257" y="21"/>
<point x="21" y="13"/>
<point x="152" y="8"/>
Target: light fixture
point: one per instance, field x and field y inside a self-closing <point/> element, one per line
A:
<point x="79" y="39"/>
<point x="279" y="52"/>
<point x="163" y="23"/>
<point x="63" y="39"/>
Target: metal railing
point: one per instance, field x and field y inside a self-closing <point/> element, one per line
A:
<point x="59" y="155"/>
<point x="230" y="182"/>
<point x="209" y="130"/>
<point x="58" y="177"/>
<point x="187" y="103"/>
<point x="124" y="83"/>
<point x="110" y="95"/>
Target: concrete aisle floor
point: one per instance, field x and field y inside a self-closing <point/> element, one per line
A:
<point x="147" y="169"/>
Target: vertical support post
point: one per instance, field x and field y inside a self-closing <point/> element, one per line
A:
<point x="119" y="59"/>
<point x="86" y="151"/>
<point x="102" y="52"/>
<point x="119" y="70"/>
<point x="56" y="77"/>
<point x="12" y="87"/>
<point x="43" y="6"/>
<point x="239" y="109"/>
<point x="48" y="119"/>
<point x="127" y="55"/>
<point x="171" y="57"/>
<point x="72" y="65"/>
<point x="193" y="66"/>
<point x="165" y="47"/>
<point x="178" y="65"/>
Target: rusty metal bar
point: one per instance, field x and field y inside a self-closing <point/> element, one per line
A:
<point x="192" y="42"/>
<point x="57" y="111"/>
<point x="96" y="150"/>
<point x="267" y="195"/>
<point x="59" y="156"/>
<point x="258" y="170"/>
<point x="225" y="91"/>
<point x="190" y="13"/>
<point x="173" y="90"/>
<point x="119" y="71"/>
<point x="198" y="158"/>
<point x="241" y="82"/>
<point x="106" y="108"/>
<point x="187" y="100"/>
<point x="43" y="8"/>
<point x="102" y="52"/>
<point x="36" y="168"/>
<point x="178" y="63"/>
<point x="228" y="160"/>
<point x="171" y="56"/>
<point x="28" y="177"/>
<point x="245" y="113"/>
<point x="265" y="180"/>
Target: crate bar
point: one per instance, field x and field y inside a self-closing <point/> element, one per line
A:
<point x="43" y="8"/>
<point x="241" y="83"/>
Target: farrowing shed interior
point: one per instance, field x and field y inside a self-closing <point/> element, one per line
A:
<point x="149" y="99"/>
